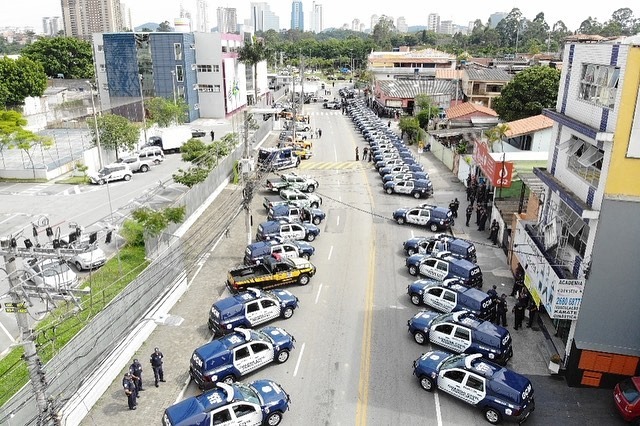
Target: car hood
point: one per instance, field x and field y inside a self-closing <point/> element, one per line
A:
<point x="279" y="336"/>
<point x="285" y="297"/>
<point x="415" y="259"/>
<point x="432" y="360"/>
<point x="270" y="392"/>
<point x="423" y="319"/>
<point x="64" y="279"/>
<point x="92" y="256"/>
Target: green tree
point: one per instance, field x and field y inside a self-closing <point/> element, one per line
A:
<point x="511" y="28"/>
<point x="252" y="54"/>
<point x="590" y="26"/>
<point x="164" y="112"/>
<point x="69" y="56"/>
<point x="11" y="122"/>
<point x="19" y="79"/>
<point x="153" y="222"/>
<point x="13" y="135"/>
<point x="164" y="27"/>
<point x="625" y="20"/>
<point x="116" y="133"/>
<point x="496" y="134"/>
<point x="529" y="91"/>
<point x="382" y="32"/>
<point x="411" y="127"/>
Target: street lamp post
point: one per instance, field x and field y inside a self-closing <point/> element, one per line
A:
<point x="173" y="85"/>
<point x="144" y="118"/>
<point x="95" y="124"/>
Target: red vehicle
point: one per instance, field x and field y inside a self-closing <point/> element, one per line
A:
<point x="626" y="394"/>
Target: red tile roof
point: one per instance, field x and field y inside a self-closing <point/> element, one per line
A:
<point x="528" y="125"/>
<point x="468" y="108"/>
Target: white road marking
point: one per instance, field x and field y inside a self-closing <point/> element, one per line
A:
<point x="335" y="153"/>
<point x="10" y="217"/>
<point x="295" y="371"/>
<point x="330" y="252"/>
<point x="436" y="399"/>
<point x="412" y="235"/>
<point x="3" y="328"/>
<point x="318" y="294"/>
<point x="397" y="307"/>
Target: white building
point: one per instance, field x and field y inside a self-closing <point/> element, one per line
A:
<point x="433" y="22"/>
<point x="446" y="27"/>
<point x="227" y="20"/>
<point x="51" y="25"/>
<point x="262" y="18"/>
<point x="202" y="16"/>
<point x="316" y="18"/>
<point x="401" y="25"/>
<point x="374" y="20"/>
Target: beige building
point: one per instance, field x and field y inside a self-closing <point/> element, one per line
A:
<point x="82" y="18"/>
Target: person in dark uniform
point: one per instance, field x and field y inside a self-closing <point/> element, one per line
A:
<point x="156" y="364"/>
<point x="319" y="133"/>
<point x="469" y="213"/>
<point x="212" y="135"/>
<point x="136" y="372"/>
<point x="502" y="310"/>
<point x="130" y="390"/>
<point x="518" y="314"/>
<point x="365" y="153"/>
<point x="483" y="219"/>
<point x="357" y="154"/>
<point x="533" y="311"/>
<point x="453" y="206"/>
<point x="493" y="232"/>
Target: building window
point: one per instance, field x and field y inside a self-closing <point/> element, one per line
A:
<point x="103" y="68"/>
<point x="205" y="88"/>
<point x="574" y="228"/>
<point x="585" y="160"/>
<point x="179" y="73"/>
<point x="224" y="49"/>
<point x="216" y="88"/>
<point x="494" y="88"/>
<point x="100" y="48"/>
<point x="204" y="68"/>
<point x="177" y="51"/>
<point x="216" y="68"/>
<point x="599" y="84"/>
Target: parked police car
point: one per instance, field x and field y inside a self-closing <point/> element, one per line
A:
<point x="501" y="393"/>
<point x="250" y="308"/>
<point x="286" y="230"/>
<point x="294" y="213"/>
<point x="396" y="177"/>
<point x="462" y="332"/>
<point x="443" y="265"/>
<point x="420" y="188"/>
<point x="228" y="358"/>
<point x="451" y="296"/>
<point x="262" y="402"/>
<point x="255" y="253"/>
<point x="434" y="218"/>
<point x="438" y="243"/>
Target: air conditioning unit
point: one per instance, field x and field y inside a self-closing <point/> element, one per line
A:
<point x="192" y="46"/>
<point x="193" y="67"/>
<point x="196" y="106"/>
<point x="195" y="87"/>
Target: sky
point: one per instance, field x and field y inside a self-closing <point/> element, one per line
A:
<point x="336" y="12"/>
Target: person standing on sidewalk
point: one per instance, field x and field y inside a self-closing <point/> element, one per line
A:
<point x="357" y="154"/>
<point x="212" y="133"/>
<point x="518" y="314"/>
<point x="130" y="390"/>
<point x="365" y="153"/>
<point x="502" y="310"/>
<point x="156" y="365"/>
<point x="136" y="372"/>
<point x="493" y="232"/>
<point x="533" y="311"/>
<point x="483" y="220"/>
<point x="469" y="213"/>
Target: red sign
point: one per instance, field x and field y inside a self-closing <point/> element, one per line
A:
<point x="499" y="173"/>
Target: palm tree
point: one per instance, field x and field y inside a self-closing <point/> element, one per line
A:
<point x="496" y="134"/>
<point x="252" y="54"/>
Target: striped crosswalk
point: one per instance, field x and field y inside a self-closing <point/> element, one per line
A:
<point x="330" y="165"/>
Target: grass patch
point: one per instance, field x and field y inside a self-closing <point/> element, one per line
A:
<point x="74" y="180"/>
<point x="513" y="192"/>
<point x="16" y="180"/>
<point x="63" y="323"/>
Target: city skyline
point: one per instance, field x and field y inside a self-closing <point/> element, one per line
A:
<point x="336" y="14"/>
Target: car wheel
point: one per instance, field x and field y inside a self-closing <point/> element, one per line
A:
<point x="311" y="188"/>
<point x="310" y="237"/>
<point x="400" y="220"/>
<point x="127" y="177"/>
<point x="416" y="299"/>
<point x="433" y="227"/>
<point x="413" y="270"/>
<point x="144" y="168"/>
<point x="492" y="415"/>
<point x="228" y="379"/>
<point x="274" y="419"/>
<point x="416" y="195"/>
<point x="306" y="256"/>
<point x="411" y="252"/>
<point x="389" y="191"/>
<point x="287" y="312"/>
<point x="314" y="205"/>
<point x="419" y="337"/>
<point x="316" y="221"/>
<point x="282" y="356"/>
<point x="426" y="383"/>
<point x="102" y="182"/>
<point x="304" y="279"/>
<point x="78" y="266"/>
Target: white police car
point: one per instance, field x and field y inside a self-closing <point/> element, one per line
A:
<point x="250" y="308"/>
<point x="230" y="357"/>
<point x="257" y="403"/>
<point x="462" y="332"/>
<point x="501" y="393"/>
<point x="451" y="296"/>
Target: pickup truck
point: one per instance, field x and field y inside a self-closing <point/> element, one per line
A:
<point x="271" y="273"/>
<point x="293" y="213"/>
<point x="293" y="197"/>
<point x="292" y="181"/>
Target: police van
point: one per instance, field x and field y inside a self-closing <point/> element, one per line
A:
<point x="277" y="158"/>
<point x="441" y="242"/>
<point x="230" y="357"/>
<point x="444" y="265"/>
<point x="451" y="296"/>
<point x="284" y="249"/>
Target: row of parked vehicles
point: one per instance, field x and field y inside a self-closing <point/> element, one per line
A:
<point x="459" y="318"/>
<point x="280" y="256"/>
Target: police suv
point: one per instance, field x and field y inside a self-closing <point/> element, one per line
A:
<point x="462" y="332"/>
<point x="250" y="308"/>
<point x="444" y="265"/>
<point x="451" y="296"/>
<point x="230" y="357"/>
<point x="255" y="253"/>
<point x="434" y="218"/>
<point x="441" y="242"/>
<point x="501" y="393"/>
<point x="286" y="230"/>
<point x="262" y="402"/>
<point x="421" y="188"/>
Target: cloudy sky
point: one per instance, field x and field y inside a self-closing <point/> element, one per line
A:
<point x="336" y="12"/>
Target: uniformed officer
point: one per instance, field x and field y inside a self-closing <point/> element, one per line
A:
<point x="156" y="365"/>
<point x="502" y="310"/>
<point x="518" y="313"/>
<point x="469" y="213"/>
<point x="136" y="371"/>
<point x="130" y="390"/>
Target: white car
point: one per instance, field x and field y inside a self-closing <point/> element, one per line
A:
<point x="110" y="173"/>
<point x="52" y="273"/>
<point x="92" y="257"/>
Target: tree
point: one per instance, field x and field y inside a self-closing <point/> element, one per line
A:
<point x="382" y="32"/>
<point x="529" y="91"/>
<point x="510" y="28"/>
<point x="68" y="56"/>
<point x="252" y="54"/>
<point x="624" y="19"/>
<point x="19" y="79"/>
<point x="164" y="27"/>
<point x="154" y="222"/>
<point x="164" y="112"/>
<point x="116" y="133"/>
<point x="590" y="26"/>
<point x="411" y="127"/>
<point x="496" y="134"/>
<point x="13" y="135"/>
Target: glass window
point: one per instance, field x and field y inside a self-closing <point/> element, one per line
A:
<point x="177" y="51"/>
<point x="253" y="307"/>
<point x="204" y="68"/>
<point x="442" y="266"/>
<point x="243" y="410"/>
<point x="455" y="375"/>
<point x="430" y="262"/>
<point x="435" y="291"/>
<point x="268" y="303"/>
<point x="444" y="328"/>
<point x="462" y="333"/>
<point x="259" y="347"/>
<point x="242" y="353"/>
<point x="215" y="68"/>
<point x="179" y="73"/>
<point x="585" y="160"/>
<point x="475" y="383"/>
<point x="221" y="417"/>
<point x="449" y="296"/>
<point x="599" y="84"/>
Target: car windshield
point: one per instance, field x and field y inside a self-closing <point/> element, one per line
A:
<point x="629" y="391"/>
<point x="105" y="171"/>
<point x="55" y="268"/>
<point x="249" y="393"/>
<point x="453" y="361"/>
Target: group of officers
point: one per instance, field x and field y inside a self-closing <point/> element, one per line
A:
<point x="132" y="380"/>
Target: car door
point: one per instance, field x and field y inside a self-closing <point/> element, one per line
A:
<point x="289" y="251"/>
<point x="433" y="297"/>
<point x="451" y="381"/>
<point x="401" y="187"/>
<point x="441" y="270"/>
<point x="413" y="216"/>
<point x="270" y="309"/>
<point x="428" y="268"/>
<point x="254" y="313"/>
<point x="475" y="388"/>
<point x="243" y="359"/>
<point x="262" y="353"/>
<point x="298" y="232"/>
<point x="449" y="300"/>
<point x="221" y="416"/>
<point x="425" y="215"/>
<point x="441" y="335"/>
<point x="286" y="232"/>
<point x="460" y="338"/>
<point x="246" y="414"/>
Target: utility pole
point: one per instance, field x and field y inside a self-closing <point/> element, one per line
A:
<point x="302" y="94"/>
<point x="144" y="116"/>
<point x="247" y="192"/>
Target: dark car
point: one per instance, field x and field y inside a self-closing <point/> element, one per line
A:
<point x="198" y="133"/>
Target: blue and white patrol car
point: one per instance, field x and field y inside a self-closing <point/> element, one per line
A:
<point x="434" y="218"/>
<point x="451" y="296"/>
<point x="462" y="332"/>
<point x="262" y="402"/>
<point x="250" y="308"/>
<point x="228" y="358"/>
<point x="441" y="242"/>
<point x="501" y="393"/>
<point x="444" y="265"/>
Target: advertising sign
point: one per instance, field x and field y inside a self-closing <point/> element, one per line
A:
<point x="499" y="173"/>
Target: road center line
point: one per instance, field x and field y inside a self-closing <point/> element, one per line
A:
<point x="330" y="252"/>
<point x="10" y="217"/>
<point x="318" y="294"/>
<point x="436" y="399"/>
<point x="295" y="371"/>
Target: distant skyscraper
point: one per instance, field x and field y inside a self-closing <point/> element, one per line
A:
<point x="374" y="21"/>
<point x="125" y="17"/>
<point x="401" y="25"/>
<point x="51" y="25"/>
<point x="262" y="18"/>
<point x="446" y="27"/>
<point x="297" y="16"/>
<point x="84" y="17"/>
<point x="227" y="20"/>
<point x="355" y="25"/>
<point x="316" y="18"/>
<point x="202" y="16"/>
<point x="433" y="22"/>
<point x="495" y="18"/>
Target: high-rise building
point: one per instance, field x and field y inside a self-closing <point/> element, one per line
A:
<point x="445" y="27"/>
<point x="262" y="18"/>
<point x="202" y="17"/>
<point x="401" y="25"/>
<point x="355" y="25"/>
<point x="374" y="21"/>
<point x="125" y="16"/>
<point x="316" y="18"/>
<point x="433" y="22"/>
<point x="82" y="18"/>
<point x="51" y="25"/>
<point x="495" y="18"/>
<point x="297" y="16"/>
<point x="227" y="20"/>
